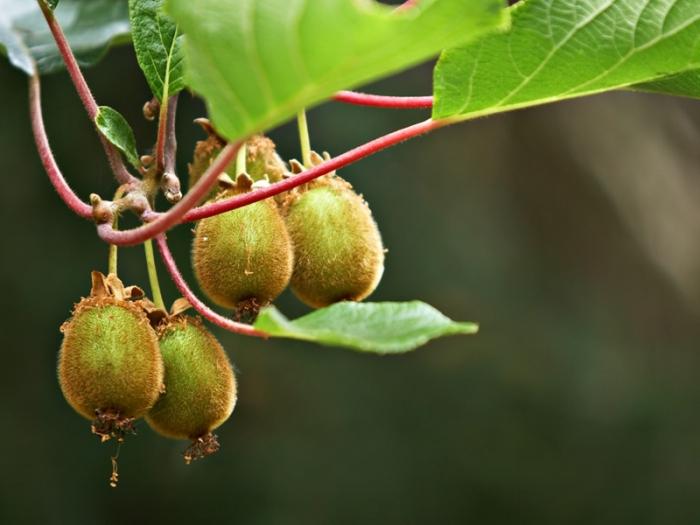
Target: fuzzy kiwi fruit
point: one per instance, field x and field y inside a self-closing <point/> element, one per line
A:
<point x="243" y="258"/>
<point x="338" y="251"/>
<point x="200" y="388"/>
<point x="110" y="368"/>
<point x="262" y="160"/>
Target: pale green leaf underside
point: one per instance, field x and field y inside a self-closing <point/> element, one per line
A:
<point x="382" y="328"/>
<point x="90" y="26"/>
<point x="116" y="129"/>
<point x="158" y="46"/>
<point x="257" y="62"/>
<point x="685" y="84"/>
<point x="558" y="49"/>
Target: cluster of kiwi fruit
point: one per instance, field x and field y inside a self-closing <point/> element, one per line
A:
<point x="320" y="238"/>
<point x="122" y="359"/>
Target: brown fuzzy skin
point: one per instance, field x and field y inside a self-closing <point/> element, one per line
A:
<point x="262" y="159"/>
<point x="200" y="388"/>
<point x="338" y="250"/>
<point x="205" y="152"/>
<point x="243" y="254"/>
<point x="109" y="359"/>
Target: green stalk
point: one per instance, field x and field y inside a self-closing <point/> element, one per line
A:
<point x="153" y="275"/>
<point x="113" y="253"/>
<point x="304" y="138"/>
<point x="241" y="161"/>
<point x="113" y="249"/>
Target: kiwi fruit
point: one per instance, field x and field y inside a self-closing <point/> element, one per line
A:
<point x="110" y="368"/>
<point x="262" y="161"/>
<point x="200" y="387"/>
<point x="338" y="251"/>
<point x="242" y="259"/>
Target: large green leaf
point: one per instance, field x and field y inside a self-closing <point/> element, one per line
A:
<point x="90" y="26"/>
<point x="558" y="49"/>
<point x="116" y="129"/>
<point x="685" y="84"/>
<point x="382" y="328"/>
<point x="158" y="46"/>
<point x="257" y="62"/>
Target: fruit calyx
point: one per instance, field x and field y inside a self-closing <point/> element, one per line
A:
<point x="110" y="285"/>
<point x="329" y="179"/>
<point x="201" y="447"/>
<point x="110" y="424"/>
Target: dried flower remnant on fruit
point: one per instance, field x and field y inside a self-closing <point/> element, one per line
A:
<point x="202" y="447"/>
<point x="110" y="369"/>
<point x="243" y="256"/>
<point x="338" y="249"/>
<point x="200" y="385"/>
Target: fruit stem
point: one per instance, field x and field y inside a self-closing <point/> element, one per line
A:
<point x="113" y="253"/>
<point x="197" y="304"/>
<point x="304" y="139"/>
<point x="115" y="159"/>
<point x="241" y="164"/>
<point x="153" y="275"/>
<point x="382" y="101"/>
<point x="113" y="248"/>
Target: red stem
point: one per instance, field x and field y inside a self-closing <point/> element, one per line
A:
<point x="46" y="156"/>
<point x="163" y="221"/>
<point x="382" y="101"/>
<point x="115" y="160"/>
<point x="215" y="208"/>
<point x="197" y="304"/>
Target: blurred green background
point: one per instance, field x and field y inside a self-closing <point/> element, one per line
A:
<point x="570" y="232"/>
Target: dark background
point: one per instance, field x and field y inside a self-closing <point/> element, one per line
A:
<point x="570" y="232"/>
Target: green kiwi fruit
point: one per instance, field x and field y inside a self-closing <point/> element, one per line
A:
<point x="200" y="388"/>
<point x="243" y="259"/>
<point x="262" y="160"/>
<point x="338" y="251"/>
<point x="110" y="368"/>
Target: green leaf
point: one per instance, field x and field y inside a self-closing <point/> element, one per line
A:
<point x="257" y="63"/>
<point x="158" y="45"/>
<point x="90" y="27"/>
<point x="52" y="3"/>
<point x="559" y="49"/>
<point x="685" y="85"/>
<point x="382" y="328"/>
<point x="116" y="129"/>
